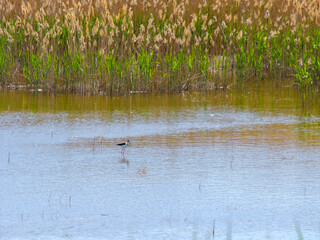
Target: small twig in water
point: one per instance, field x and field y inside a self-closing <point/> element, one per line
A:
<point x="213" y="227"/>
<point x="231" y="163"/>
<point x="93" y="143"/>
<point x="60" y="202"/>
<point x="9" y="158"/>
<point x="49" y="199"/>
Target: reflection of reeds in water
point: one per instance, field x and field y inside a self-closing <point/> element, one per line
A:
<point x="277" y="134"/>
<point x="94" y="143"/>
<point x="106" y="46"/>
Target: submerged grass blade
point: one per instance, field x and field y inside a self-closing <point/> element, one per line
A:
<point x="298" y="231"/>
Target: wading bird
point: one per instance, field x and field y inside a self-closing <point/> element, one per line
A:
<point x="123" y="146"/>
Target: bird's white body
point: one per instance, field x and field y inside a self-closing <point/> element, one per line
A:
<point x="123" y="146"/>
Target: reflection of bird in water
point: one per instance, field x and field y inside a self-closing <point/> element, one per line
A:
<point x="123" y="146"/>
<point x="124" y="160"/>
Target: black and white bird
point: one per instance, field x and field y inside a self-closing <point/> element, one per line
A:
<point x="123" y="146"/>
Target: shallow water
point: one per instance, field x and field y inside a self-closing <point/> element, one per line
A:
<point x="246" y="163"/>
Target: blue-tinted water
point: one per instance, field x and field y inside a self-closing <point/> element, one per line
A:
<point x="251" y="174"/>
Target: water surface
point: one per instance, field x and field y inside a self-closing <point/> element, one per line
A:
<point x="246" y="163"/>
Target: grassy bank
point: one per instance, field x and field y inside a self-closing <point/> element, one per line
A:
<point x="157" y="46"/>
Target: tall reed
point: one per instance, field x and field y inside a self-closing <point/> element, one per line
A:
<point x="107" y="46"/>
